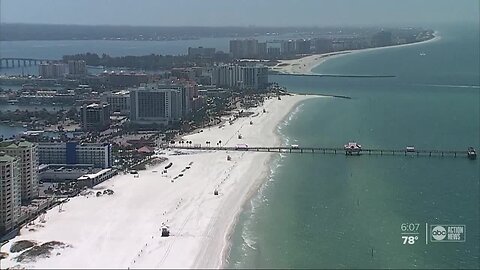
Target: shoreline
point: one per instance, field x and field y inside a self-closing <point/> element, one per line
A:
<point x="305" y="65"/>
<point x="258" y="183"/>
<point x="201" y="224"/>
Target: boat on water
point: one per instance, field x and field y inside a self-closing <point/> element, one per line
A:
<point x="471" y="153"/>
<point x="352" y="148"/>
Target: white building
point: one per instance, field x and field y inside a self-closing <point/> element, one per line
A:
<point x="97" y="154"/>
<point x="77" y="67"/>
<point x="10" y="192"/>
<point x="250" y="76"/>
<point x="27" y="156"/>
<point x="119" y="102"/>
<point x="52" y="70"/>
<point x="93" y="179"/>
<point x="159" y="103"/>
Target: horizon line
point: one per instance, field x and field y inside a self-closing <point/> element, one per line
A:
<point x="415" y="25"/>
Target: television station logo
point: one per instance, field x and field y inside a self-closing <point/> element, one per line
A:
<point x="447" y="233"/>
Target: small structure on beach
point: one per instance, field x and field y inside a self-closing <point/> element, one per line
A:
<point x="165" y="231"/>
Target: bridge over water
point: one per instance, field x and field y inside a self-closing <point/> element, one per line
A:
<point x="330" y="150"/>
<point x="10" y="62"/>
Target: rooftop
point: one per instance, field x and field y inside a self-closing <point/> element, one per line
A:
<point x="12" y="144"/>
<point x="93" y="175"/>
<point x="6" y="158"/>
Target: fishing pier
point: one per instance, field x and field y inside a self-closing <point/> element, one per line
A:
<point x="468" y="153"/>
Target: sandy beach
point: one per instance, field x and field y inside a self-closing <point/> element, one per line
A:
<point x="123" y="230"/>
<point x="306" y="64"/>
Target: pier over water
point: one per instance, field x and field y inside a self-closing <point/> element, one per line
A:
<point x="331" y="150"/>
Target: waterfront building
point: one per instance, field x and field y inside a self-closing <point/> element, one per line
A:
<point x="381" y="39"/>
<point x="227" y="76"/>
<point x="77" y="67"/>
<point x="95" y="116"/>
<point x="93" y="179"/>
<point x="236" y="48"/>
<point x="273" y="52"/>
<point x="338" y="45"/>
<point x="302" y="46"/>
<point x="261" y="49"/>
<point x="249" y="76"/>
<point x="10" y="192"/>
<point x="52" y="70"/>
<point x="27" y="157"/>
<point x="98" y="155"/>
<point x="157" y="103"/>
<point x="287" y="47"/>
<point x="81" y="174"/>
<point x="119" y="101"/>
<point x="245" y="48"/>
<point x="323" y="45"/>
<point x="187" y="91"/>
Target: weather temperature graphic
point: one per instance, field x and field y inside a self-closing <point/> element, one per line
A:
<point x="410" y="233"/>
<point x="434" y="233"/>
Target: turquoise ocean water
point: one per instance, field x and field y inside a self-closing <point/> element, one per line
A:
<point x="331" y="211"/>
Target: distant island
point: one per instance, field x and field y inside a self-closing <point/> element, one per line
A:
<point x="274" y="52"/>
<point x="16" y="32"/>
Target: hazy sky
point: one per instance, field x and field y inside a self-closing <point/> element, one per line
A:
<point x="239" y="12"/>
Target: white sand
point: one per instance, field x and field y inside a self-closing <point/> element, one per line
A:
<point x="305" y="64"/>
<point x="122" y="230"/>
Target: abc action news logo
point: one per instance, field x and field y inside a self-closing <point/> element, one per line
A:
<point x="447" y="233"/>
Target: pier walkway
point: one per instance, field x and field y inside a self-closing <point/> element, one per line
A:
<point x="326" y="150"/>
